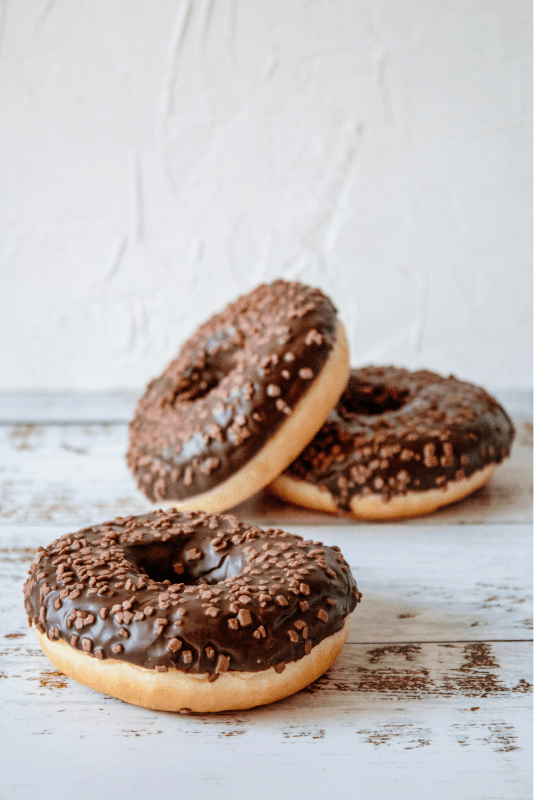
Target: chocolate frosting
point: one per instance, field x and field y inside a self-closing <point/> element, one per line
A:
<point x="395" y="431"/>
<point x="197" y="592"/>
<point x="231" y="387"/>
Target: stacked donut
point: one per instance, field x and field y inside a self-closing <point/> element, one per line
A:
<point x="399" y="444"/>
<point x="239" y="407"/>
<point x="242" y="399"/>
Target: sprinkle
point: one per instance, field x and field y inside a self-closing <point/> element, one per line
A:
<point x="305" y="373"/>
<point x="244" y="617"/>
<point x="174" y="645"/>
<point x="188" y="476"/>
<point x="313" y="337"/>
<point x="223" y="662"/>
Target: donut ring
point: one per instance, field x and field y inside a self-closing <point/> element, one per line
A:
<point x="399" y="444"/>
<point x="246" y="393"/>
<point x="256" y="615"/>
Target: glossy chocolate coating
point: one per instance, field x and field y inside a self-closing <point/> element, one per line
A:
<point x="197" y="592"/>
<point x="231" y="387"/>
<point x="395" y="431"/>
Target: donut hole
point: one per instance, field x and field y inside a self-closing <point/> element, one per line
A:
<point x="371" y="399"/>
<point x="198" y="384"/>
<point x="207" y="372"/>
<point x="183" y="563"/>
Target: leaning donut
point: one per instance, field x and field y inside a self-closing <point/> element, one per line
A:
<point x="190" y="611"/>
<point x="244" y="396"/>
<point x="399" y="444"/>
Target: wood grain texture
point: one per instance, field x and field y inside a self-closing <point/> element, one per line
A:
<point x="431" y="695"/>
<point x="77" y="474"/>
<point x="434" y="684"/>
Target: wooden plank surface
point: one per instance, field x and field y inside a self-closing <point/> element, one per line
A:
<point x="445" y="721"/>
<point x="77" y="473"/>
<point x="434" y="684"/>
<point x="431" y="695"/>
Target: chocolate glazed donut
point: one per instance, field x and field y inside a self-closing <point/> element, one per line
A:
<point x="197" y="611"/>
<point x="246" y="393"/>
<point x="399" y="444"/>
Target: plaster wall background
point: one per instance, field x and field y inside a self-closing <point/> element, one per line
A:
<point x="160" y="157"/>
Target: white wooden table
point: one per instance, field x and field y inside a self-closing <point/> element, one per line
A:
<point x="431" y="696"/>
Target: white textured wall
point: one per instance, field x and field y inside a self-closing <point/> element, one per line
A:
<point x="160" y="157"/>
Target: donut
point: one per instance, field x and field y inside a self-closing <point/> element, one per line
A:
<point x="244" y="396"/>
<point x="190" y="611"/>
<point x="399" y="444"/>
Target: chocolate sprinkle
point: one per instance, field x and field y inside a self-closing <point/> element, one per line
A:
<point x="229" y="615"/>
<point x="395" y="431"/>
<point x="228" y="391"/>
